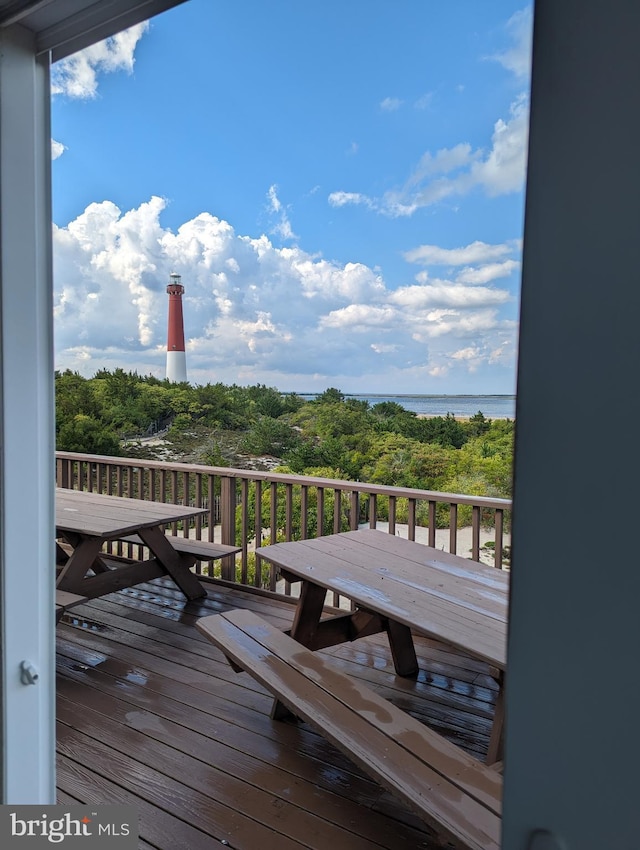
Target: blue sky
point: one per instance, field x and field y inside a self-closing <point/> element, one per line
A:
<point x="339" y="185"/>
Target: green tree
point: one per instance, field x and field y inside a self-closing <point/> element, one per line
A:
<point x="478" y="424"/>
<point x="85" y="434"/>
<point x="330" y="396"/>
<point x="268" y="436"/>
<point x="74" y="394"/>
<point x="399" y="461"/>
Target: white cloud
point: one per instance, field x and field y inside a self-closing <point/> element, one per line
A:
<point x="477" y="252"/>
<point x="443" y="162"/>
<point x="457" y="171"/>
<point x="439" y="371"/>
<point x="517" y="57"/>
<point x="352" y="282"/>
<point x="341" y="199"/>
<point x="359" y="317"/>
<point x="460" y="324"/>
<point x="77" y="75"/>
<point x="470" y="353"/>
<point x="383" y="348"/>
<point x="472" y="356"/>
<point x="57" y="149"/>
<point x="254" y="312"/>
<point x="500" y="171"/>
<point x="444" y="294"/>
<point x="281" y="226"/>
<point x="274" y="202"/>
<point x="503" y="170"/>
<point x="390" y="104"/>
<point x="424" y="101"/>
<point x="488" y="272"/>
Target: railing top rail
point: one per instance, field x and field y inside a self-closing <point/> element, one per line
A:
<point x="284" y="478"/>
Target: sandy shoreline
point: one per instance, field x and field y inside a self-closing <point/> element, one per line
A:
<point x="459" y="418"/>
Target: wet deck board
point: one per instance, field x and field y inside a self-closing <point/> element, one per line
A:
<point x="151" y="714"/>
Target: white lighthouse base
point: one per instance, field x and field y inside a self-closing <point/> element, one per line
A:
<point x="176" y="367"/>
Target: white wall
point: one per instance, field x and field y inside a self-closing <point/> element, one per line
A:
<point x="573" y="719"/>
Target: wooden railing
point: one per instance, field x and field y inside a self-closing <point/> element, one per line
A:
<point x="254" y="509"/>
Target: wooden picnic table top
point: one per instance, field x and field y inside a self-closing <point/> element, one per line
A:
<point x="107" y="517"/>
<point x="444" y="596"/>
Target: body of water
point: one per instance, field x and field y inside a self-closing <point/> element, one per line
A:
<point x="492" y="406"/>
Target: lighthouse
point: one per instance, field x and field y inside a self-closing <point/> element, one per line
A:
<point x="176" y="359"/>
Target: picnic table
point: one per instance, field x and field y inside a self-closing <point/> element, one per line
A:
<point x="399" y="587"/>
<point x="86" y="521"/>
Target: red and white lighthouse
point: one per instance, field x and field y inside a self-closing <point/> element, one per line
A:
<point x="176" y="358"/>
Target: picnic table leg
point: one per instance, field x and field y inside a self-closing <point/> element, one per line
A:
<point x="308" y="613"/>
<point x="305" y="623"/>
<point x="78" y="564"/>
<point x="402" y="649"/>
<point x="75" y="540"/>
<point x="171" y="562"/>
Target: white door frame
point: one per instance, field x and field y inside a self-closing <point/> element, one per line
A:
<point x="27" y="620"/>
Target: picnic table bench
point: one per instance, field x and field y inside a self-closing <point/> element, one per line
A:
<point x="457" y="795"/>
<point x="190" y="549"/>
<point x="65" y="600"/>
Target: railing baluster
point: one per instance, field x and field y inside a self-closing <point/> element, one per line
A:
<point x="354" y="511"/>
<point x="244" y="513"/>
<point x="392" y="514"/>
<point x="411" y="519"/>
<point x="288" y="510"/>
<point x="475" y="533"/>
<point x="258" y="531"/>
<point x="304" y="509"/>
<point x="432" y="522"/>
<point x="119" y="492"/>
<point x="273" y="513"/>
<point x="273" y="531"/>
<point x="499" y="517"/>
<point x="337" y="511"/>
<point x="337" y="528"/>
<point x="174" y="496"/>
<point x="453" y="528"/>
<point x="320" y="511"/>
<point x="373" y="510"/>
<point x="186" y="500"/>
<point x="198" y="504"/>
<point x="228" y="525"/>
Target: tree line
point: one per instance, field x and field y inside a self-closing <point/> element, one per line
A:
<point x="331" y="436"/>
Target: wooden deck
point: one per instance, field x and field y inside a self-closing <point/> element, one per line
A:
<point x="151" y="715"/>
